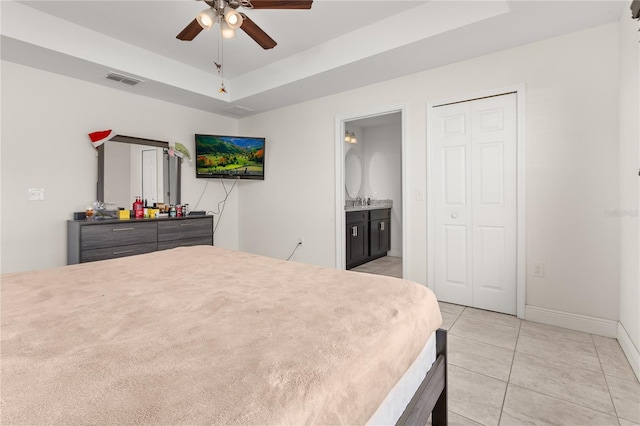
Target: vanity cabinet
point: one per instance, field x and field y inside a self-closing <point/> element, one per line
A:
<point x="379" y="233"/>
<point x="91" y="240"/>
<point x="368" y="235"/>
<point x="357" y="238"/>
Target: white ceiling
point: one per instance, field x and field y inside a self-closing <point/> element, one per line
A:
<point x="335" y="46"/>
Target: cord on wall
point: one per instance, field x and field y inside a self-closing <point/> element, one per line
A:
<point x="294" y="250"/>
<point x="203" y="191"/>
<point x="223" y="202"/>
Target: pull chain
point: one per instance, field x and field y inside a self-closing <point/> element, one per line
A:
<point x="219" y="64"/>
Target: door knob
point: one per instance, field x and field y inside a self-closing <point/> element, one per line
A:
<point x="454" y="215"/>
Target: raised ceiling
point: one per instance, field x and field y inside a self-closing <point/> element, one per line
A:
<point x="335" y="46"/>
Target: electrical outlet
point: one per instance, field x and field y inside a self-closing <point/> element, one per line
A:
<point x="36" y="194"/>
<point x="538" y="269"/>
<point x="301" y="241"/>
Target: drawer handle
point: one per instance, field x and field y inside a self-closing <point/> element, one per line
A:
<point x="354" y="231"/>
<point x="186" y="224"/>
<point x="123" y="229"/>
<point x="123" y="251"/>
<point x="382" y="226"/>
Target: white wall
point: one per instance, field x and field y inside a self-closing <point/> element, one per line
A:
<point x="571" y="166"/>
<point x="383" y="173"/>
<point x="572" y="127"/>
<point x="297" y="196"/>
<point x="45" y="121"/>
<point x="629" y="206"/>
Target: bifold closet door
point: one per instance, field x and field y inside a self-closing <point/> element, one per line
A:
<point x="474" y="170"/>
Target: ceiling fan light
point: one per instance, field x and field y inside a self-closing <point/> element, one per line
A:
<point x="232" y="18"/>
<point x="226" y="31"/>
<point x="206" y="18"/>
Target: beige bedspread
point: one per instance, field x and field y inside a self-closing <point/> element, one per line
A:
<point x="203" y="335"/>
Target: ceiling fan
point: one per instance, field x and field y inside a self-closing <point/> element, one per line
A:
<point x="225" y="12"/>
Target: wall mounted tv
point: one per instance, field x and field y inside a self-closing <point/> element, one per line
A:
<point x="229" y="157"/>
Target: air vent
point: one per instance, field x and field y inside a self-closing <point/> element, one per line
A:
<point x="238" y="110"/>
<point x="124" y="79"/>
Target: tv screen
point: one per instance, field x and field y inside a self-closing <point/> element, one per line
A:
<point x="229" y="157"/>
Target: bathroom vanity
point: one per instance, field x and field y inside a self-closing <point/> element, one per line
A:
<point x="368" y="234"/>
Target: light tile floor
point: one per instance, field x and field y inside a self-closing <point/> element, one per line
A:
<point x="505" y="371"/>
<point x="388" y="265"/>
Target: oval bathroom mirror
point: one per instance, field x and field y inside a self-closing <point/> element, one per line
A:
<point x="352" y="173"/>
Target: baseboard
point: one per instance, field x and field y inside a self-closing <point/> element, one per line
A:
<point x="587" y="324"/>
<point x="629" y="349"/>
<point x="394" y="253"/>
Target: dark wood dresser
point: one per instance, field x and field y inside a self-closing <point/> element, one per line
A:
<point x="90" y="240"/>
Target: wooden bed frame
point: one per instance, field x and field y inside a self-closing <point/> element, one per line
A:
<point x="431" y="396"/>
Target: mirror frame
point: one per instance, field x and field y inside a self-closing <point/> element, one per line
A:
<point x="135" y="141"/>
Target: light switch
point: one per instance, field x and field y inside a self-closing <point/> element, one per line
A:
<point x="36" y="194"/>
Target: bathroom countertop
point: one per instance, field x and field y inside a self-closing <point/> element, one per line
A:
<point x="375" y="205"/>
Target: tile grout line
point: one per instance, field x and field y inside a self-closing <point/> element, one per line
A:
<point x="494" y="323"/>
<point x="478" y="341"/>
<point x="565" y="401"/>
<point x="506" y="389"/>
<point x="465" y="417"/>
<point x="615" y="410"/>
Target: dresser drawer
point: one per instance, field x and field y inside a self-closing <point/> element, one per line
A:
<point x="119" y="251"/>
<point x="200" y="241"/>
<point x="184" y="229"/>
<point x="117" y="234"/>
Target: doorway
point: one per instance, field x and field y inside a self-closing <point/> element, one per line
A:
<point x="369" y="168"/>
<point x="474" y="195"/>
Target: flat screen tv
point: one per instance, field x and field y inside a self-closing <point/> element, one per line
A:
<point x="229" y="157"/>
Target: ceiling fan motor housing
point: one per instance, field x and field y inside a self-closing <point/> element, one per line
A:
<point x="219" y="5"/>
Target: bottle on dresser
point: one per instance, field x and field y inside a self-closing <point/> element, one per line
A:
<point x="138" y="209"/>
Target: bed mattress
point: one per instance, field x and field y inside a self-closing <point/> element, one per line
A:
<point x="396" y="401"/>
<point x="206" y="335"/>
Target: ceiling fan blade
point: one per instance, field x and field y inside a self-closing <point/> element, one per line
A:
<point x="281" y="4"/>
<point x="256" y="33"/>
<point x="190" y="31"/>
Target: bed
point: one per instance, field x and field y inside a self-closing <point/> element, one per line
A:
<point x="205" y="335"/>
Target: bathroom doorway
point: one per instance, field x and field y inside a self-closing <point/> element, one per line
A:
<point x="369" y="183"/>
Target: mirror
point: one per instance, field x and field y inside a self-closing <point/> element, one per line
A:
<point x="130" y="167"/>
<point x="352" y="173"/>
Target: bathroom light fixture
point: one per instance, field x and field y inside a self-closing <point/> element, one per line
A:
<point x="350" y="137"/>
